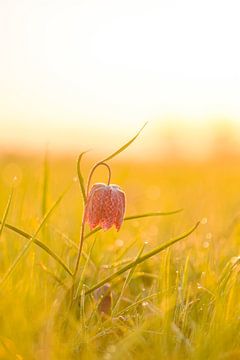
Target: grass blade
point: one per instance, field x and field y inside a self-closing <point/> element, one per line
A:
<point x="133" y="305"/>
<point x="124" y="146"/>
<point x="80" y="177"/>
<point x="151" y="214"/>
<point x="30" y="241"/>
<point x="143" y="258"/>
<point x="133" y="217"/>
<point x="6" y="212"/>
<point x="42" y="246"/>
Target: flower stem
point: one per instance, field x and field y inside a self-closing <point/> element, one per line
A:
<point x="83" y="218"/>
<point x="92" y="172"/>
<point x="79" y="249"/>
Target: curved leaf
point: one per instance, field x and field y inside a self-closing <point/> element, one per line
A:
<point x="124" y="146"/>
<point x="80" y="176"/>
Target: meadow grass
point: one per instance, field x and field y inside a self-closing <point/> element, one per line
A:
<point x="181" y="303"/>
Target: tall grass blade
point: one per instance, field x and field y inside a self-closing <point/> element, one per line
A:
<point x="80" y="177"/>
<point x="5" y="215"/>
<point x="133" y="305"/>
<point x="124" y="146"/>
<point x="143" y="258"/>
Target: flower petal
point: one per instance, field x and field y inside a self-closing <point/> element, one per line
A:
<point x="105" y="206"/>
<point x="120" y="210"/>
<point x="94" y="205"/>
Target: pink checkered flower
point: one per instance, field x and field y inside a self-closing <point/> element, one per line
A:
<point x="105" y="206"/>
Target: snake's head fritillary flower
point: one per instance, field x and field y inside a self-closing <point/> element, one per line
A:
<point x="105" y="206"/>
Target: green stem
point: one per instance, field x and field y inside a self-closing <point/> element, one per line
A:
<point x="101" y="163"/>
<point x="80" y="177"/>
<point x="83" y="218"/>
<point x="80" y="249"/>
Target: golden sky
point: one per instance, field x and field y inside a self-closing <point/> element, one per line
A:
<point x="75" y="71"/>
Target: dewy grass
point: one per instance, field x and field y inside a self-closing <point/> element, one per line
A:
<point x="73" y="306"/>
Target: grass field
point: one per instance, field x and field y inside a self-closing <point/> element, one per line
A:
<point x="181" y="303"/>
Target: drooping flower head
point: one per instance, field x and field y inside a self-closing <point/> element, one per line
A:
<point x="105" y="206"/>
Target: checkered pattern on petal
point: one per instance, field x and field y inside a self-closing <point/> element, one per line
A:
<point x="105" y="207"/>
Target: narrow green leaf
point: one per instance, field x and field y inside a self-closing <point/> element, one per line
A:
<point x="42" y="246"/>
<point x="151" y="214"/>
<point x="143" y="258"/>
<point x="80" y="177"/>
<point x="6" y="212"/>
<point x="124" y="146"/>
<point x="133" y="217"/>
<point x="146" y="298"/>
